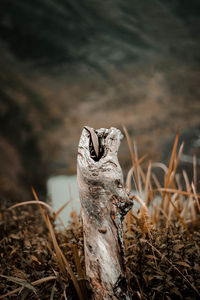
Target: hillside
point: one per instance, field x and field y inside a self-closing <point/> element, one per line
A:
<point x="65" y="64"/>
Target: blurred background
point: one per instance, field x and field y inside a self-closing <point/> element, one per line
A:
<point x="65" y="64"/>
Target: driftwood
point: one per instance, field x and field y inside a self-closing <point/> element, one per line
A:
<point x="104" y="203"/>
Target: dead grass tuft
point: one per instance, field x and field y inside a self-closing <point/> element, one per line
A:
<point x="161" y="237"/>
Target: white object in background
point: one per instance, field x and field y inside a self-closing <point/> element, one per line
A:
<point x="61" y="189"/>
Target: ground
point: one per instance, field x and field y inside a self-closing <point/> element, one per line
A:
<point x="161" y="263"/>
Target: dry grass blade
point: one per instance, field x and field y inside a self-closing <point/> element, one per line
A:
<point x="176" y="161"/>
<point x="60" y="209"/>
<point x="188" y="187"/>
<point x="62" y="261"/>
<point x="171" y="173"/>
<point x="180" y="200"/>
<point x="185" y="210"/>
<point x="80" y="272"/>
<point x="195" y="170"/>
<point x="40" y="207"/>
<point x="161" y="166"/>
<point x="128" y="179"/>
<point x="173" y="199"/>
<point x="41" y="203"/>
<point x="143" y="205"/>
<point x="167" y="179"/>
<point x="142" y="174"/>
<point x="157" y="183"/>
<point x="133" y="159"/>
<point x="146" y="189"/>
<point x="77" y="262"/>
<point x="155" y="209"/>
<point x="56" y="248"/>
<point x="24" y="283"/>
<point x="195" y="196"/>
<point x="139" y="161"/>
<point x="52" y="292"/>
<point x="130" y="172"/>
<point x="172" y="160"/>
<point x="137" y="170"/>
<point x="33" y="202"/>
<point x="37" y="282"/>
<point x="177" y="191"/>
<point x="156" y="216"/>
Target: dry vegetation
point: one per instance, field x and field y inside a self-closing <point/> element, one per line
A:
<point x="162" y="241"/>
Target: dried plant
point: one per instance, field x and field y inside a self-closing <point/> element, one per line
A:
<point x="157" y="233"/>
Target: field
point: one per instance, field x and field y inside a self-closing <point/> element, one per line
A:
<point x="162" y="241"/>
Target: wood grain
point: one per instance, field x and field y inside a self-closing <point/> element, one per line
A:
<point x="104" y="204"/>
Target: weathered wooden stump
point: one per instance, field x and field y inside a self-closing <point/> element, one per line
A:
<point x="104" y="203"/>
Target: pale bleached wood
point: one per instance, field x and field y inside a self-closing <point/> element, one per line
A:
<point x="104" y="203"/>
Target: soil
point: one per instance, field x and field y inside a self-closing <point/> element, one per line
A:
<point x="161" y="264"/>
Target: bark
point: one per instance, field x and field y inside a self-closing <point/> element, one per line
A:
<point x="104" y="203"/>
